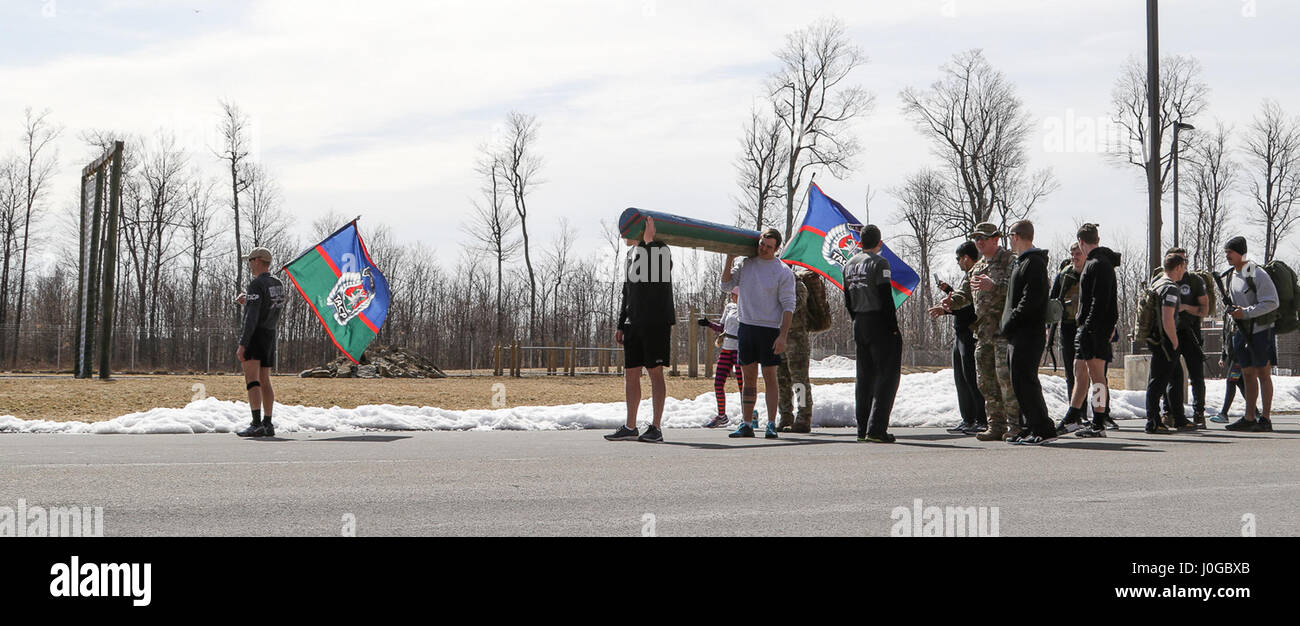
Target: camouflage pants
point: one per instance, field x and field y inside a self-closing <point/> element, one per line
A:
<point x="792" y="376"/>
<point x="993" y="374"/>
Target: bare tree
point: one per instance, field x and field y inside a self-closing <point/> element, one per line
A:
<point x="1273" y="150"/>
<point x="814" y="107"/>
<point x="38" y="165"/>
<point x="11" y="222"/>
<point x="267" y="222"/>
<point x="200" y="209"/>
<point x="922" y="200"/>
<point x="1182" y="98"/>
<point x="758" y="169"/>
<point x="234" y="128"/>
<point x="1211" y="180"/>
<point x="979" y="129"/>
<point x="521" y="165"/>
<point x="493" y="224"/>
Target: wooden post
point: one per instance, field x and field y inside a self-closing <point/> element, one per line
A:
<point x="514" y="360"/>
<point x="110" y="262"/>
<point x="496" y="360"/>
<point x="692" y="345"/>
<point x="573" y="359"/>
<point x="709" y="356"/>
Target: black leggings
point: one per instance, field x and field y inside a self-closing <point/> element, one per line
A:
<point x="1230" y="393"/>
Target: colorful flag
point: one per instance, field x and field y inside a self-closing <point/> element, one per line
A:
<point x="341" y="284"/>
<point x="824" y="243"/>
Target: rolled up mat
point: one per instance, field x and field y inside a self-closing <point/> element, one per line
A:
<point x="685" y="232"/>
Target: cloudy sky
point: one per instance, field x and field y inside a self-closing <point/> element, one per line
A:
<point x="378" y="108"/>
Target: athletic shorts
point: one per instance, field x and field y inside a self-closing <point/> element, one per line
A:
<point x="756" y="345"/>
<point x="646" y="346"/>
<point x="1259" y="351"/>
<point x="261" y="348"/>
<point x="1089" y="346"/>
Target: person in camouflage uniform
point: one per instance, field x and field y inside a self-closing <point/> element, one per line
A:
<point x="985" y="286"/>
<point x="793" y="372"/>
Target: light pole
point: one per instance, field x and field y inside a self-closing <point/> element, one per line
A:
<point x="1153" y="144"/>
<point x="1177" y="127"/>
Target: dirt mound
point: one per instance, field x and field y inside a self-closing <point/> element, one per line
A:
<point x="378" y="362"/>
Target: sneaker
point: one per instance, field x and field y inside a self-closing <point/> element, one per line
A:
<point x="745" y="431"/>
<point x="771" y="431"/>
<point x="1066" y="426"/>
<point x="1156" y="428"/>
<point x="977" y="428"/>
<point x="1265" y="425"/>
<point x="1242" y="425"/>
<point x="1186" y="426"/>
<point x="651" y="435"/>
<point x="1035" y="440"/>
<point x="1091" y="431"/>
<point x="883" y="438"/>
<point x="253" y="430"/>
<point x="1014" y="437"/>
<point x="718" y="421"/>
<point x="960" y="429"/>
<point x="268" y="429"/>
<point x="1110" y="423"/>
<point x="1167" y="420"/>
<point x="1199" y="421"/>
<point x="624" y="434"/>
<point x="1219" y="419"/>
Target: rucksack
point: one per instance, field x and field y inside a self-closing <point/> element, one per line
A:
<point x="1286" y="318"/>
<point x="819" y="310"/>
<point x="1148" y="320"/>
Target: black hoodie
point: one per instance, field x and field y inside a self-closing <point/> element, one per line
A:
<point x="1027" y="294"/>
<point x="1098" y="295"/>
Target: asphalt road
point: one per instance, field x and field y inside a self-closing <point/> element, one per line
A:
<point x="699" y="483"/>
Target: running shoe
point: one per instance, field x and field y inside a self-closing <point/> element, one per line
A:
<point x="1265" y="425"/>
<point x="883" y="438"/>
<point x="960" y="429"/>
<point x="268" y="429"/>
<point x="624" y="434"/>
<point x="745" y="431"/>
<point x="1036" y="440"/>
<point x="1219" y="419"/>
<point x="771" y="431"/>
<point x="718" y="421"/>
<point x="651" y="435"/>
<point x="1067" y="426"/>
<point x="1091" y="431"/>
<point x="1110" y="423"/>
<point x="1156" y="428"/>
<point x="253" y="430"/>
<point x="1242" y="425"/>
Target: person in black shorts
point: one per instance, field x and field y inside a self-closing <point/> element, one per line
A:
<point x="645" y="320"/>
<point x="256" y="354"/>
<point x="1095" y="322"/>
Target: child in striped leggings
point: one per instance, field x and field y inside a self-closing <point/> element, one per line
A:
<point x="728" y="326"/>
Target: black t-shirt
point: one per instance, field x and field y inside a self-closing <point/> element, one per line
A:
<point x="648" y="287"/>
<point x="1191" y="288"/>
<point x="264" y="301"/>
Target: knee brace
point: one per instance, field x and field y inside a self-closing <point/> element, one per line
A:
<point x="253" y="384"/>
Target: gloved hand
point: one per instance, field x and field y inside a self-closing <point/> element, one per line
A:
<point x="703" y="321"/>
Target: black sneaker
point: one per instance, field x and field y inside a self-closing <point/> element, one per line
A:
<point x="960" y="429"/>
<point x="883" y="438"/>
<point x="1242" y="425"/>
<point x="268" y="429"/>
<point x="1036" y="440"/>
<point x="1091" y="431"/>
<point x="1156" y="428"/>
<point x="624" y="434"/>
<point x="1110" y="424"/>
<point x="253" y="430"/>
<point x="1265" y="425"/>
<point x="652" y="435"/>
<point x="1067" y="426"/>
<point x="977" y="428"/>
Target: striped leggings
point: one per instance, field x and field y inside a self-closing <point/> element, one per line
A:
<point x="726" y="362"/>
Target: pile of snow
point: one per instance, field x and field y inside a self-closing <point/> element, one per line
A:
<point x="925" y="399"/>
<point x="833" y="366"/>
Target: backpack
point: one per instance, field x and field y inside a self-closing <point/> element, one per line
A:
<point x="1207" y="280"/>
<point x="1148" y="320"/>
<point x="1286" y="318"/>
<point x="819" y="310"/>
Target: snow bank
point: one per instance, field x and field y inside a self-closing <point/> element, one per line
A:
<point x="926" y="399"/>
<point x="833" y="366"/>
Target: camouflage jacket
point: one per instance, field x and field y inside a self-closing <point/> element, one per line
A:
<point x="988" y="304"/>
<point x="799" y="321"/>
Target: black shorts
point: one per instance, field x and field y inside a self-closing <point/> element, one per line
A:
<point x="756" y="345"/>
<point x="1089" y="346"/>
<point x="261" y="348"/>
<point x="1258" y="350"/>
<point x="646" y="346"/>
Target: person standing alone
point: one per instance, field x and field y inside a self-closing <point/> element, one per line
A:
<point x="263" y="303"/>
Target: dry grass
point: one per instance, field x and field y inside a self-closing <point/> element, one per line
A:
<point x="61" y="398"/>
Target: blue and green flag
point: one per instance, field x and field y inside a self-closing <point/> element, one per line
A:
<point x="341" y="284"/>
<point x="824" y="243"/>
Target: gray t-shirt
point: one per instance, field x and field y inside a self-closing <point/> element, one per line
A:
<point x="1256" y="302"/>
<point x="766" y="290"/>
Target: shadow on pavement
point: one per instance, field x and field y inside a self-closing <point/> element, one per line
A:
<point x="367" y="438"/>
